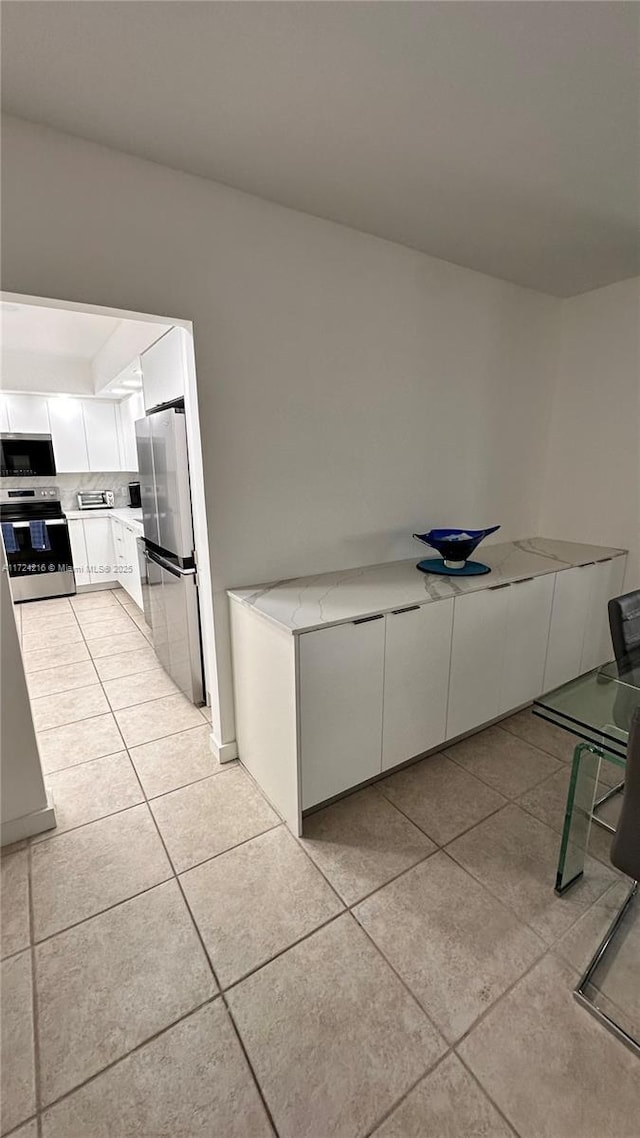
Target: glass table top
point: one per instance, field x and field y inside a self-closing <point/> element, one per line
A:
<point x="598" y="706"/>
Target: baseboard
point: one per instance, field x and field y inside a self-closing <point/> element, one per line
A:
<point x="224" y="752"/>
<point x="16" y="829"/>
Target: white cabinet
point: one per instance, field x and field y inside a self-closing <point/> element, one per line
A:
<point x="126" y="559"/>
<point x="68" y="435"/>
<point x="606" y="582"/>
<point x="79" y="551"/>
<point x="28" y="414"/>
<point x="340" y="707"/>
<point x="101" y="430"/>
<point x="164" y="369"/>
<point x="100" y="551"/>
<point x="4" y="414"/>
<point x="129" y="410"/>
<point x="477" y="658"/>
<point x="527" y="634"/>
<point x="569" y="615"/>
<point x="416" y="680"/>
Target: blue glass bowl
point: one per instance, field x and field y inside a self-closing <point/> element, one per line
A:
<point x="455" y="545"/>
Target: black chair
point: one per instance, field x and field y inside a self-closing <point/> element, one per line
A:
<point x="625" y="856"/>
<point x="624" y="622"/>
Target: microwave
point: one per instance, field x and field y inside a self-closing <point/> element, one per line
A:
<point x="26" y="456"/>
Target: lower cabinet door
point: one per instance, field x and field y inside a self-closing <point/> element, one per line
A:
<point x="569" y="615"/>
<point x="527" y="635"/>
<point x="416" y="680"/>
<point x="131" y="579"/>
<point x="340" y="682"/>
<point x="79" y="551"/>
<point x="606" y="582"/>
<point x="477" y="658"/>
<point x="100" y="550"/>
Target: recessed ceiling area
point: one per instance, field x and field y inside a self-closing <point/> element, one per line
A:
<point x="499" y="136"/>
<point x="69" y="352"/>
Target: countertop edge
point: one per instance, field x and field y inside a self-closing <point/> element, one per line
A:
<point x="609" y="554"/>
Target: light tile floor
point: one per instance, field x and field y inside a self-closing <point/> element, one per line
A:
<point x="177" y="965"/>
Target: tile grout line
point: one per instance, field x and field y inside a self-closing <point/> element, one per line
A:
<point x="34" y="999"/>
<point x="398" y="1103"/>
<point x="127" y="1054"/>
<point x="485" y="1092"/>
<point x="214" y="974"/>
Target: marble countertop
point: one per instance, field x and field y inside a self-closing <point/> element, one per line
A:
<point x="132" y="517"/>
<point x="303" y="604"/>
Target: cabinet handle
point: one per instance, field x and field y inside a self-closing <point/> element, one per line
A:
<point x="586" y="564"/>
<point x="409" y="608"/>
<point x="492" y="588"/>
<point x="521" y="580"/>
<point x="366" y="619"/>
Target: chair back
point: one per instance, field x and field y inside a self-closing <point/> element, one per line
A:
<point x="625" y="846"/>
<point x="624" y="622"/>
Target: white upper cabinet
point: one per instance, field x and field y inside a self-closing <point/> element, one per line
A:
<point x="606" y="582"/>
<point x="164" y="369"/>
<point x="416" y="680"/>
<point x="341" y="682"/>
<point x="130" y="409"/>
<point x="27" y="414"/>
<point x="68" y="435"/>
<point x="101" y="427"/>
<point x="477" y="658"/>
<point x="4" y="414"/>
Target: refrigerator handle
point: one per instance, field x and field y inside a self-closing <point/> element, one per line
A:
<point x="175" y="570"/>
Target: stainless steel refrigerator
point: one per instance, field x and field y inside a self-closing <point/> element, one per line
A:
<point x="168" y="557"/>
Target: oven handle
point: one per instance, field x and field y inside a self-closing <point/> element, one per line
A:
<point x="52" y="522"/>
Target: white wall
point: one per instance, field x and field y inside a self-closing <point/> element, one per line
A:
<point x="24" y="806"/>
<point x="43" y="372"/>
<point x="592" y="487"/>
<point x="351" y="390"/>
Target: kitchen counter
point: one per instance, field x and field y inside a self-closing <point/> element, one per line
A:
<point x="303" y="604"/>
<point x="132" y="517"/>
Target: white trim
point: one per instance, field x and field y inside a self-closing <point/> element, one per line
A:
<point x="223" y="752"/>
<point x="15" y="829"/>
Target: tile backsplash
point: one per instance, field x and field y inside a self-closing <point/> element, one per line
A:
<point x="70" y="484"/>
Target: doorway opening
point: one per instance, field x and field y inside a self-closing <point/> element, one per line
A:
<point x="104" y="531"/>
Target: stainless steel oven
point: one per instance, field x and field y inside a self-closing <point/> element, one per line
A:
<point x="36" y="540"/>
<point x="26" y="456"/>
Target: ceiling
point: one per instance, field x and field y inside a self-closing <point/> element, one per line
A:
<point x="54" y="331"/>
<point x="499" y="136"/>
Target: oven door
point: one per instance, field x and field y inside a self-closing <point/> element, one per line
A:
<point x="26" y="456"/>
<point x="37" y="572"/>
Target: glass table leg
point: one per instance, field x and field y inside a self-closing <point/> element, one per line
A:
<point x="583" y="786"/>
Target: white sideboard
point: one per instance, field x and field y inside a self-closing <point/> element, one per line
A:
<point x="343" y="676"/>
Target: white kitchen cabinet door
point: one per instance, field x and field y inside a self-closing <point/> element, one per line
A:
<point x="606" y="582"/>
<point x="28" y="414"/>
<point x="79" y="552"/>
<point x="101" y="557"/>
<point x="477" y="659"/>
<point x="340" y="707"/>
<point x="4" y="414"/>
<point x="130" y="409"/>
<point x="68" y="435"/>
<point x="527" y="636"/>
<point x="134" y="587"/>
<point x="416" y="680"/>
<point x="569" y="613"/>
<point x="101" y="427"/>
<point x="164" y="369"/>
